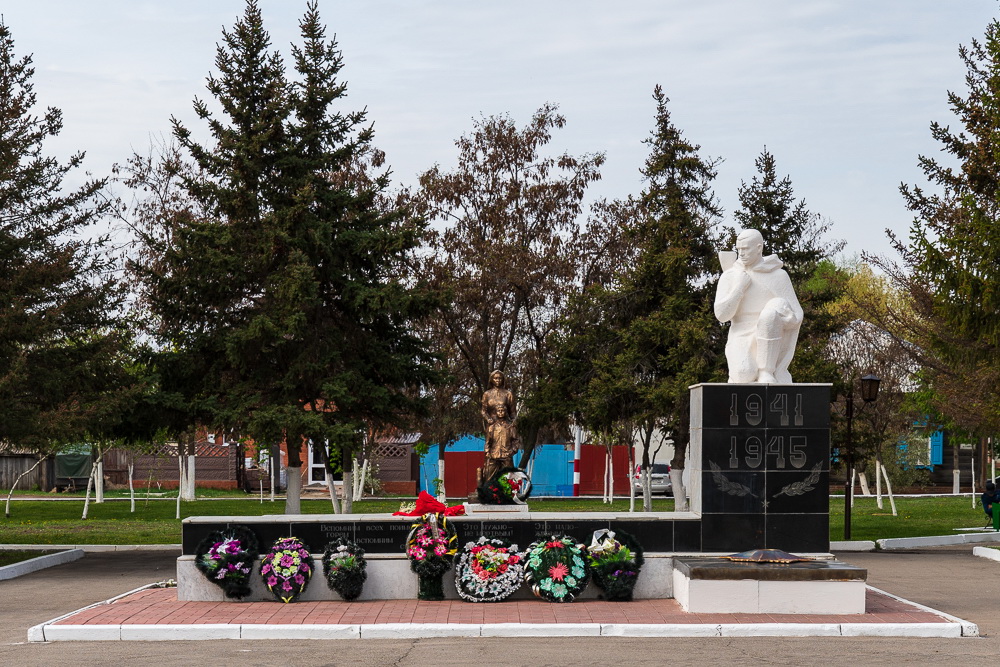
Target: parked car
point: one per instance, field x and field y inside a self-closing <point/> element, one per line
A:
<point x="659" y="479"/>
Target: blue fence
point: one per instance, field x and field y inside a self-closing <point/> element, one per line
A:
<point x="551" y="467"/>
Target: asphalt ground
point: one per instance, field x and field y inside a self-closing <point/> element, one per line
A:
<point x="948" y="579"/>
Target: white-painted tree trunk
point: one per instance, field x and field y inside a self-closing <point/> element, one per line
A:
<point x="611" y="478"/>
<point x="863" y="481"/>
<point x="442" y="496"/>
<point x="348" y="492"/>
<point x="293" y="493"/>
<point x="879" y="471"/>
<point x="360" y="475"/>
<point x="631" y="491"/>
<point x="604" y="485"/>
<point x="328" y="478"/>
<point x="647" y="489"/>
<point x="17" y="481"/>
<point x="853" y="474"/>
<point x="680" y="493"/>
<point x="187" y="488"/>
<point x="131" y="486"/>
<point x="273" y="463"/>
<point x="956" y="482"/>
<point x="888" y="488"/>
<point x="180" y="483"/>
<point x="99" y="480"/>
<point x="972" y="480"/>
<point x="86" y="496"/>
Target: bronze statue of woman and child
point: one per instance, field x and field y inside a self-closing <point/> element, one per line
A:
<point x="502" y="442"/>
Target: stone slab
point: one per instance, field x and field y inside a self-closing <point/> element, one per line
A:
<point x="710" y="586"/>
<point x="815" y="570"/>
<point x="476" y="508"/>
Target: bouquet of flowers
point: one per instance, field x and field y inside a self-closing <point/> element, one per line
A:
<point x="488" y="570"/>
<point x="430" y="547"/>
<point x="614" y="563"/>
<point x="510" y="486"/>
<point x="344" y="566"/>
<point x="226" y="557"/>
<point x="556" y="569"/>
<point x="286" y="569"/>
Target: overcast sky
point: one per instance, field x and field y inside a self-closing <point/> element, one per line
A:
<point x="842" y="92"/>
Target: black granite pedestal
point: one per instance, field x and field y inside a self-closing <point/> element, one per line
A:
<point x="765" y="466"/>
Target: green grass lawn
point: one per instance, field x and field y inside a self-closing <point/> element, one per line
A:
<point x="42" y="522"/>
<point x="46" y="522"/>
<point x="917" y="517"/>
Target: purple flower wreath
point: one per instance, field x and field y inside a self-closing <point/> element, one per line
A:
<point x="286" y="569"/>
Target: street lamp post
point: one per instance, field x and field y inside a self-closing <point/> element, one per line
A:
<point x="869" y="393"/>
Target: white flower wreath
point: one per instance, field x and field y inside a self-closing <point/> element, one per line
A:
<point x="488" y="570"/>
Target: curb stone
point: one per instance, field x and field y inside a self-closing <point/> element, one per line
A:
<point x="986" y="552"/>
<point x="39" y="563"/>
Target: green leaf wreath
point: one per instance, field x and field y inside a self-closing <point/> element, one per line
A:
<point x="556" y="568"/>
<point x="488" y="570"/>
<point x="344" y="567"/>
<point x="615" y="561"/>
<point x="226" y="557"/>
<point x="287" y="569"/>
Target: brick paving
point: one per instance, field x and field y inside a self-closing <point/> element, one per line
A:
<point x="160" y="606"/>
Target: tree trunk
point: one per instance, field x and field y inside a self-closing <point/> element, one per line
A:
<point x="888" y="488"/>
<point x="293" y="490"/>
<point x="879" y="469"/>
<point x="99" y="479"/>
<point x="440" y="491"/>
<point x="180" y="480"/>
<point x="680" y="456"/>
<point x="328" y="477"/>
<point x="348" y="483"/>
<point x="17" y="481"/>
<point x="631" y="478"/>
<point x="131" y="486"/>
<point x="646" y="477"/>
<point x="274" y="468"/>
<point x="186" y="489"/>
<point x="86" y="496"/>
<point x="529" y="439"/>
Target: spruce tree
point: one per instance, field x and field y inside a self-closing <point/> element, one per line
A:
<point x="640" y="341"/>
<point x="296" y="279"/>
<point x="60" y="361"/>
<point x="796" y="236"/>
<point x="951" y="263"/>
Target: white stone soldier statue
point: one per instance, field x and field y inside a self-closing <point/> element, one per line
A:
<point x="756" y="295"/>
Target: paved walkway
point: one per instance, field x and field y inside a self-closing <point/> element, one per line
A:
<point x="949" y="579"/>
<point x="157" y="614"/>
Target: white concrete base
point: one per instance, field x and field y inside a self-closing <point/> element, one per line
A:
<point x="749" y="596"/>
<point x="390" y="578"/>
<point x="986" y="552"/>
<point x="39" y="563"/>
<point x="56" y="633"/>
<point x="853" y="545"/>
<point x="475" y="508"/>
